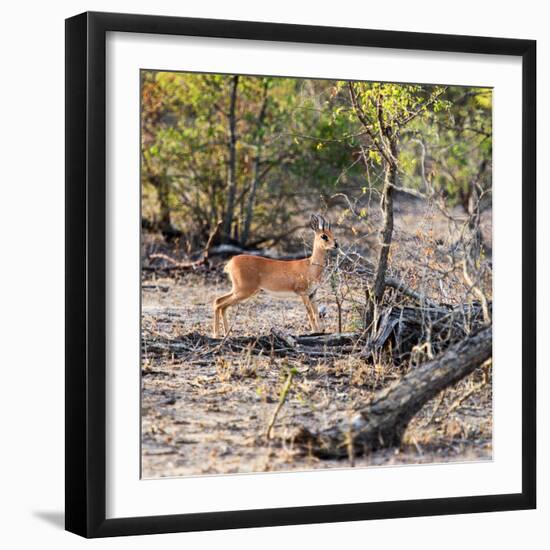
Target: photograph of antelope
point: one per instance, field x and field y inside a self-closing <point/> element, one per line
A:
<point x="316" y="274"/>
<point x="250" y="274"/>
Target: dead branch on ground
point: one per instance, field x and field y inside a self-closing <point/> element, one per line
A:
<point x="383" y="421"/>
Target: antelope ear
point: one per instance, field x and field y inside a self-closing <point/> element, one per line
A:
<point x="322" y="223"/>
<point x="314" y="222"/>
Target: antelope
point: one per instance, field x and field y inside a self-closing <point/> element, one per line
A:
<point x="251" y="274"/>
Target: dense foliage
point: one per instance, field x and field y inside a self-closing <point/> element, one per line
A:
<point x="254" y="151"/>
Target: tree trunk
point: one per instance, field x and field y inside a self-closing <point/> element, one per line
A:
<point x="387" y="233"/>
<point x="256" y="182"/>
<point x="382" y="423"/>
<point x="379" y="285"/>
<point x="232" y="161"/>
<point x="165" y="215"/>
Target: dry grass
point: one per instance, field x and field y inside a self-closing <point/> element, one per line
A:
<point x="208" y="416"/>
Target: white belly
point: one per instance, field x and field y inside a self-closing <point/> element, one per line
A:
<point x="281" y="294"/>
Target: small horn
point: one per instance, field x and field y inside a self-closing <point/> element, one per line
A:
<point x="314" y="222"/>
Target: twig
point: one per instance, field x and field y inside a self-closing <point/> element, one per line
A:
<point x="478" y="292"/>
<point x="404" y="289"/>
<point x="282" y="399"/>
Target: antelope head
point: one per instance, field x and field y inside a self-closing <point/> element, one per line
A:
<point x="324" y="238"/>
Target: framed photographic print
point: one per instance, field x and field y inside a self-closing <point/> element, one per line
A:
<point x="300" y="274"/>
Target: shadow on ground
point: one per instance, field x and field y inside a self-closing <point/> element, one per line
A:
<point x="57" y="519"/>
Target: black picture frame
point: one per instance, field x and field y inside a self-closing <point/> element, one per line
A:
<point x="86" y="274"/>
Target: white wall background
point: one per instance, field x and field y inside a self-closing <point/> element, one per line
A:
<point x="32" y="271"/>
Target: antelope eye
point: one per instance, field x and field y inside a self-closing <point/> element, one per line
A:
<point x="324" y="237"/>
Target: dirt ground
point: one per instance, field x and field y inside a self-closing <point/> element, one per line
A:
<point x="210" y="416"/>
<point x="207" y="413"/>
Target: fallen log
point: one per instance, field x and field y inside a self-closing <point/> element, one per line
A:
<point x="321" y="340"/>
<point x="278" y="342"/>
<point x="383" y="421"/>
<point x="229" y="250"/>
<point x="176" y="265"/>
<point x="439" y="325"/>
